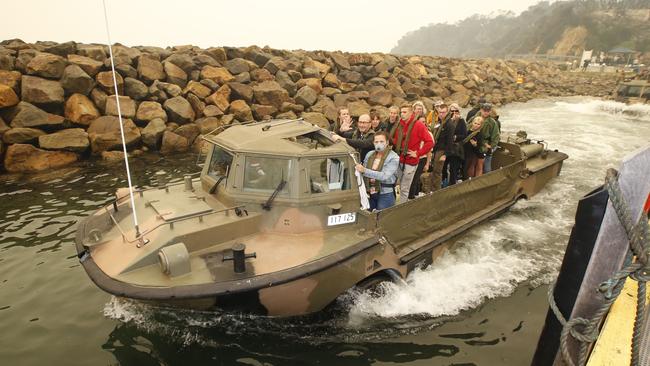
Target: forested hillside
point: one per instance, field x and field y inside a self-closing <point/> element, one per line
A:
<point x="559" y="28"/>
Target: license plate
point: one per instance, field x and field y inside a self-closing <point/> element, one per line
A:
<point x="345" y="218"/>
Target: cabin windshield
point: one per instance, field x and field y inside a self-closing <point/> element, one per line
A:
<point x="219" y="162"/>
<point x="262" y="174"/>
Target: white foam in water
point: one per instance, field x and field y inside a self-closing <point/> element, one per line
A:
<point x="455" y="282"/>
<point x="597" y="106"/>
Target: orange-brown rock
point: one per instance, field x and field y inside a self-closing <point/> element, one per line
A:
<point x="80" y="109"/>
<point x="8" y="96"/>
<point x="105" y="80"/>
<point x="27" y="158"/>
<point x="219" y="74"/>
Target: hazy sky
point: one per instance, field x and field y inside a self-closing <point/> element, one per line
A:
<point x="348" y="25"/>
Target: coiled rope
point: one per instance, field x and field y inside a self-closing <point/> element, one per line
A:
<point x="635" y="266"/>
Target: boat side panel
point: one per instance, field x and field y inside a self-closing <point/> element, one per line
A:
<point x="404" y="224"/>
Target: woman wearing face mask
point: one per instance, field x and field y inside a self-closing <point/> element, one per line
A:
<point x="380" y="173"/>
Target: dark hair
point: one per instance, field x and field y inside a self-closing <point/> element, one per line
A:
<point x="381" y="133"/>
<point x="374" y="114"/>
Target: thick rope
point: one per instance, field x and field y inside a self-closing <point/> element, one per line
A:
<point x="635" y="265"/>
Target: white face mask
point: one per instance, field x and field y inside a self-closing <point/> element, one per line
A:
<point x="380" y="146"/>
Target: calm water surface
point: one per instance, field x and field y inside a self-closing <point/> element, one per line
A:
<point x="483" y="303"/>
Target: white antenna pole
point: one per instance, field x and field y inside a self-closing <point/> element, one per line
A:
<point x="119" y="116"/>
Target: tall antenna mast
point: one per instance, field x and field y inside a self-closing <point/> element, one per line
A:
<point x="119" y="116"/>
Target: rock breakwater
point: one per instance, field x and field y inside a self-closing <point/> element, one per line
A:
<point x="57" y="104"/>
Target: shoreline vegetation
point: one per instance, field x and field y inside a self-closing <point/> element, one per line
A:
<point x="57" y="103"/>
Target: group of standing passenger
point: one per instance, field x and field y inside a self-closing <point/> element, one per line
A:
<point x="414" y="151"/>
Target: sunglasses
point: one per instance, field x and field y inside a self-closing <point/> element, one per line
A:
<point x="454" y="111"/>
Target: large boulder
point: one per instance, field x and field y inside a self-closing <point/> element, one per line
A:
<point x="72" y="139"/>
<point x="95" y="52"/>
<point x="183" y="61"/>
<point x="270" y="93"/>
<point x="21" y="135"/>
<point x="46" y="65"/>
<point x="27" y="158"/>
<point x="105" y="81"/>
<point x="331" y="81"/>
<point x="351" y="77"/>
<point x="173" y="143"/>
<point x="11" y="79"/>
<point x="237" y="66"/>
<point x="79" y="109"/>
<point x="148" y="111"/>
<point x="326" y="107"/>
<point x="61" y="49"/>
<point x="75" y="80"/>
<point x="260" y="75"/>
<point x="219" y="74"/>
<point x="241" y="91"/>
<point x="87" y="64"/>
<point x="135" y="88"/>
<point x="241" y="110"/>
<point x="317" y="119"/>
<point x="41" y="92"/>
<point x="286" y="82"/>
<point x="306" y="96"/>
<point x="104" y="134"/>
<point x="8" y="96"/>
<point x="220" y="98"/>
<point x="179" y="110"/>
<point x="380" y="96"/>
<point x="153" y="132"/>
<point x="175" y="74"/>
<point x="127" y="107"/>
<point x="358" y="108"/>
<point x="212" y="111"/>
<point x="150" y="69"/>
<point x="263" y="111"/>
<point x="208" y="124"/>
<point x="314" y="83"/>
<point x="340" y="61"/>
<point x="197" y="89"/>
<point x="27" y="115"/>
<point x="197" y="104"/>
<point x="190" y="131"/>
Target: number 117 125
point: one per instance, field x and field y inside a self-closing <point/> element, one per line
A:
<point x="345" y="218"/>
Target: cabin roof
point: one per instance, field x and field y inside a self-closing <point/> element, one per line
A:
<point x="280" y="137"/>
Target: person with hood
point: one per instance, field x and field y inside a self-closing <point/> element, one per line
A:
<point x="360" y="138"/>
<point x="411" y="141"/>
<point x="380" y="173"/>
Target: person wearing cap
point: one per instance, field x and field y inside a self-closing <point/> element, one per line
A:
<point x="477" y="107"/>
<point x="407" y="142"/>
<point x="456" y="156"/>
<point x="491" y="135"/>
<point x="443" y="133"/>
